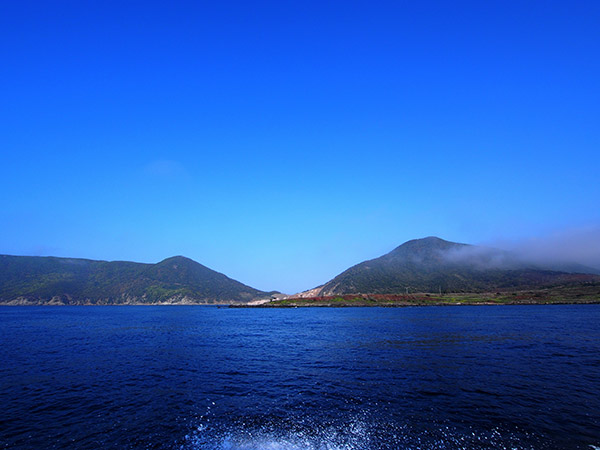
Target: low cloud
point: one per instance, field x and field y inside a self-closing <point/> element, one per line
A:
<point x="579" y="245"/>
<point x="569" y="250"/>
<point x="483" y="257"/>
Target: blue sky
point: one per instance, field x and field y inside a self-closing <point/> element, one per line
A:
<point x="281" y="142"/>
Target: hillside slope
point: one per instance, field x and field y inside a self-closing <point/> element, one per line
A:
<point x="433" y="264"/>
<point x="52" y="280"/>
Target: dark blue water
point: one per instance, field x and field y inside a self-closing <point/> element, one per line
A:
<point x="514" y="377"/>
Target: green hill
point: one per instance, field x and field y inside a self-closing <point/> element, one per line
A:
<point x="433" y="264"/>
<point x="51" y="280"/>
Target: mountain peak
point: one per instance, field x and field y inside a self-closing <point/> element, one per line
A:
<point x="179" y="263"/>
<point x="177" y="259"/>
<point x="180" y="266"/>
<point x="430" y="241"/>
<point x="428" y="246"/>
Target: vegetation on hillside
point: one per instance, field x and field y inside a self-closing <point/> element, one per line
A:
<point x="436" y="265"/>
<point x="44" y="280"/>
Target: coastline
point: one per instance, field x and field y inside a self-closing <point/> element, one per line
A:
<point x="560" y="295"/>
<point x="409" y="305"/>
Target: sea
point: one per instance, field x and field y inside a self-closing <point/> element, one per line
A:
<point x="219" y="378"/>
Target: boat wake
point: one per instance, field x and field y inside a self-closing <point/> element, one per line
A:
<point x="265" y="437"/>
<point x="356" y="434"/>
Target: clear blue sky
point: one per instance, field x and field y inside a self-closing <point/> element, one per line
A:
<point x="281" y="142"/>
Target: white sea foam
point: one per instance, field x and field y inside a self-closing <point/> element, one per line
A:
<point x="353" y="437"/>
<point x="356" y="435"/>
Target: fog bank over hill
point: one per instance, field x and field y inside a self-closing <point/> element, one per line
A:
<point x="432" y="264"/>
<point x="561" y="248"/>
